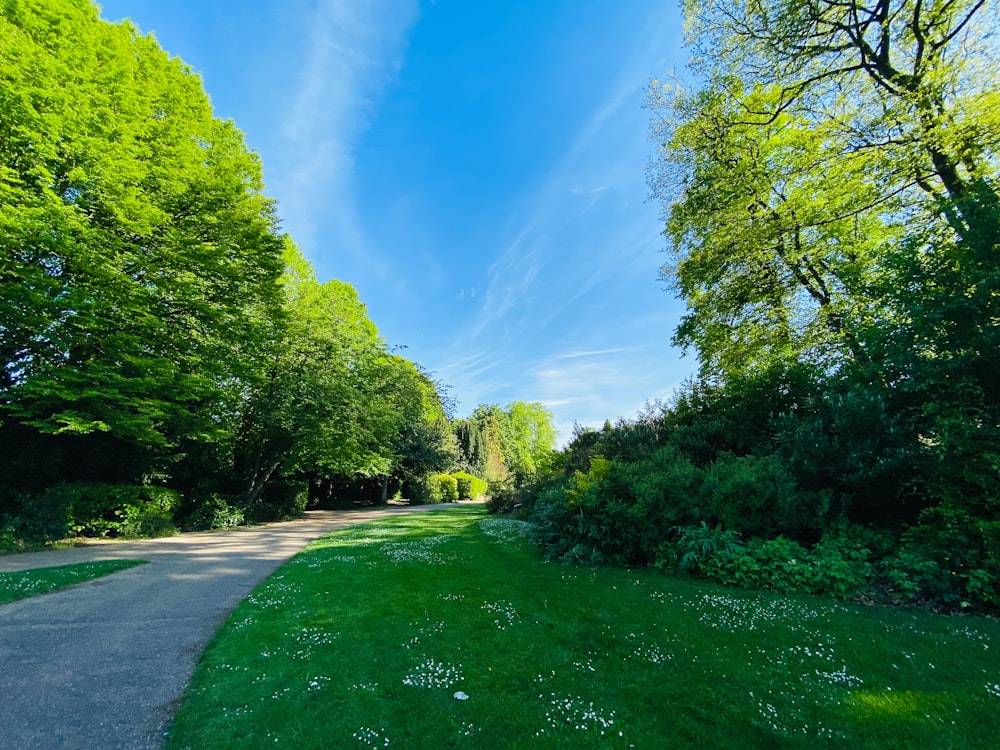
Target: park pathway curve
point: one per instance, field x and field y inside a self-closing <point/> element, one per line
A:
<point x="102" y="665"/>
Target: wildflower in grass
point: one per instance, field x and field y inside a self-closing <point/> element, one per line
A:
<point x="575" y="714"/>
<point x="371" y="738"/>
<point x="419" y="550"/>
<point x="317" y="683"/>
<point x="994" y="689"/>
<point x="738" y="613"/>
<point x="368" y="687"/>
<point x="841" y="677"/>
<point x="506" y="614"/>
<point x="431" y="673"/>
<point x="505" y="529"/>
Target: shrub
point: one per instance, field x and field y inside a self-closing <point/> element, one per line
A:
<point x="949" y="559"/>
<point x="417" y="491"/>
<point x="698" y="544"/>
<point x="442" y="488"/>
<point x="758" y="496"/>
<point x="618" y="513"/>
<point x="279" y="501"/>
<point x="214" y="511"/>
<point x="470" y="487"/>
<point x="839" y="565"/>
<point x="99" y="510"/>
<point x="856" y="448"/>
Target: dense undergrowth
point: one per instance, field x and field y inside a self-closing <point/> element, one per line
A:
<point x="795" y="492"/>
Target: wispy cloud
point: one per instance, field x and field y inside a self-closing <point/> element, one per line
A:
<point x="597" y="353"/>
<point x="352" y="51"/>
<point x="561" y="293"/>
<point x="592" y="190"/>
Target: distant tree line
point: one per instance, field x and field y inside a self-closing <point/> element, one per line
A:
<point x="830" y="190"/>
<point x="168" y="356"/>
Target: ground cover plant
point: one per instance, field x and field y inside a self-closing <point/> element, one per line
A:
<point x="25" y="583"/>
<point x="447" y="630"/>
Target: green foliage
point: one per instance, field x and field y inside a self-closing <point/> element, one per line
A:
<point x="855" y="448"/>
<point x="615" y="512"/>
<point x="470" y="487"/>
<point x="759" y="496"/>
<point x="98" y="510"/>
<point x="696" y="544"/>
<point x="744" y="520"/>
<point x="514" y="443"/>
<point x="155" y="325"/>
<point x="213" y="511"/>
<point x="951" y="559"/>
<point x="139" y="252"/>
<point x="839" y="565"/>
<point x="442" y="488"/>
<point x="280" y="501"/>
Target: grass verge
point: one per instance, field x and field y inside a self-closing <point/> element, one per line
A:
<point x="25" y="583"/>
<point x="366" y="638"/>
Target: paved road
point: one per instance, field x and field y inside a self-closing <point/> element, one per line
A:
<point x="101" y="666"/>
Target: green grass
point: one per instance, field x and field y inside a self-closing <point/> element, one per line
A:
<point x="364" y="638"/>
<point x="25" y="583"/>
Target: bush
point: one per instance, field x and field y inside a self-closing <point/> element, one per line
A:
<point x="758" y="496"/>
<point x="98" y="510"/>
<point x="214" y="511"/>
<point x="950" y="560"/>
<point x="280" y="501"/>
<point x="442" y="488"/>
<point x="417" y="491"/>
<point x="470" y="487"/>
<point x="699" y="544"/>
<point x="617" y="513"/>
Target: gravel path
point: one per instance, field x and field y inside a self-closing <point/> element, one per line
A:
<point x="102" y="665"/>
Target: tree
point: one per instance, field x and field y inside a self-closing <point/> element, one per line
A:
<point x="322" y="408"/>
<point x="138" y="254"/>
<point x="514" y="442"/>
<point x="424" y="442"/>
<point x="531" y="438"/>
<point x="831" y="191"/>
<point x="837" y="165"/>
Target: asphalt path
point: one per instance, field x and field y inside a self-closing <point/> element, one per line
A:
<point x="103" y="664"/>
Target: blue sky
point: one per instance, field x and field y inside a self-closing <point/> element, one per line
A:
<point x="474" y="168"/>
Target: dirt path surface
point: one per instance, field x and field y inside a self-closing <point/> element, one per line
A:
<point x="102" y="665"/>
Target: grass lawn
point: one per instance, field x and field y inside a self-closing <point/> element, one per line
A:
<point x="22" y="584"/>
<point x="367" y="637"/>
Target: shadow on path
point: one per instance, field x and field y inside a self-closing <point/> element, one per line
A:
<point x="102" y="665"/>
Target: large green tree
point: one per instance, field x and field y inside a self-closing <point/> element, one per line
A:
<point x="138" y="253"/>
<point x="316" y="409"/>
<point x="513" y="442"/>
<point x="831" y="192"/>
<point x="834" y="170"/>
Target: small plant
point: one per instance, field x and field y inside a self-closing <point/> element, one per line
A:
<point x="214" y="511"/>
<point x="697" y="544"/>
